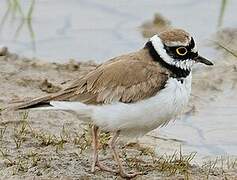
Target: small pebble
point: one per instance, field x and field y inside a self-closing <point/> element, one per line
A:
<point x="39" y="173"/>
<point x="3" y="50"/>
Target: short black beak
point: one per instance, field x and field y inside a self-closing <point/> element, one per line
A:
<point x="203" y="60"/>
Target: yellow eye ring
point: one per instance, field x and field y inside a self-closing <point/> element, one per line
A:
<point x="181" y="51"/>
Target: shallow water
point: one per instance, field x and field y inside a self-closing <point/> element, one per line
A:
<point x="97" y="30"/>
<point x="212" y="131"/>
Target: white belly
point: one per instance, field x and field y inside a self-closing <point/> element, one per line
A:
<point x="138" y="118"/>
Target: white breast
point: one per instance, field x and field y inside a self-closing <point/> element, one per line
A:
<point x="138" y="118"/>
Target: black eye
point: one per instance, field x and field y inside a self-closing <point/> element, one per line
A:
<point x="181" y="51"/>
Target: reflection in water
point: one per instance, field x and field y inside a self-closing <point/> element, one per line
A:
<point x="158" y="24"/>
<point x="222" y="12"/>
<point x="14" y="8"/>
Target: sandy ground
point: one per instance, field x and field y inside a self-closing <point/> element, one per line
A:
<point x="52" y="145"/>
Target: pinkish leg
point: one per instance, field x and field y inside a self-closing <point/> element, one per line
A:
<point x="95" y="159"/>
<point x="94" y="146"/>
<point x="117" y="159"/>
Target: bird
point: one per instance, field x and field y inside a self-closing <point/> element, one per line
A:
<point x="131" y="94"/>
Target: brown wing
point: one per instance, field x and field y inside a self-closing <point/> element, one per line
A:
<point x="127" y="79"/>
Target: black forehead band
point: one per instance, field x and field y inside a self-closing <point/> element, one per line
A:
<point x="191" y="44"/>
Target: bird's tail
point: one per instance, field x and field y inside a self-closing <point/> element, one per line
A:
<point x="81" y="110"/>
<point x="37" y="103"/>
<point x="53" y="102"/>
<point x="73" y="106"/>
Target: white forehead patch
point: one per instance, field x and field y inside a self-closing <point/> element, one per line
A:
<point x="159" y="47"/>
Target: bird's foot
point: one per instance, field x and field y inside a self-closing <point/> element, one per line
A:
<point x="106" y="168"/>
<point x="103" y="168"/>
<point x="130" y="175"/>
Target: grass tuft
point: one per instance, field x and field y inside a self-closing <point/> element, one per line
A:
<point x="2" y="132"/>
<point x="177" y="163"/>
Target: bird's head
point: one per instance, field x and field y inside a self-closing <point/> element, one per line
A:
<point x="177" y="48"/>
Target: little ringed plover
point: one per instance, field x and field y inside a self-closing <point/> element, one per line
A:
<point x="131" y="94"/>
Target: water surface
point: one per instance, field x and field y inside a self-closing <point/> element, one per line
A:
<point x="98" y="30"/>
